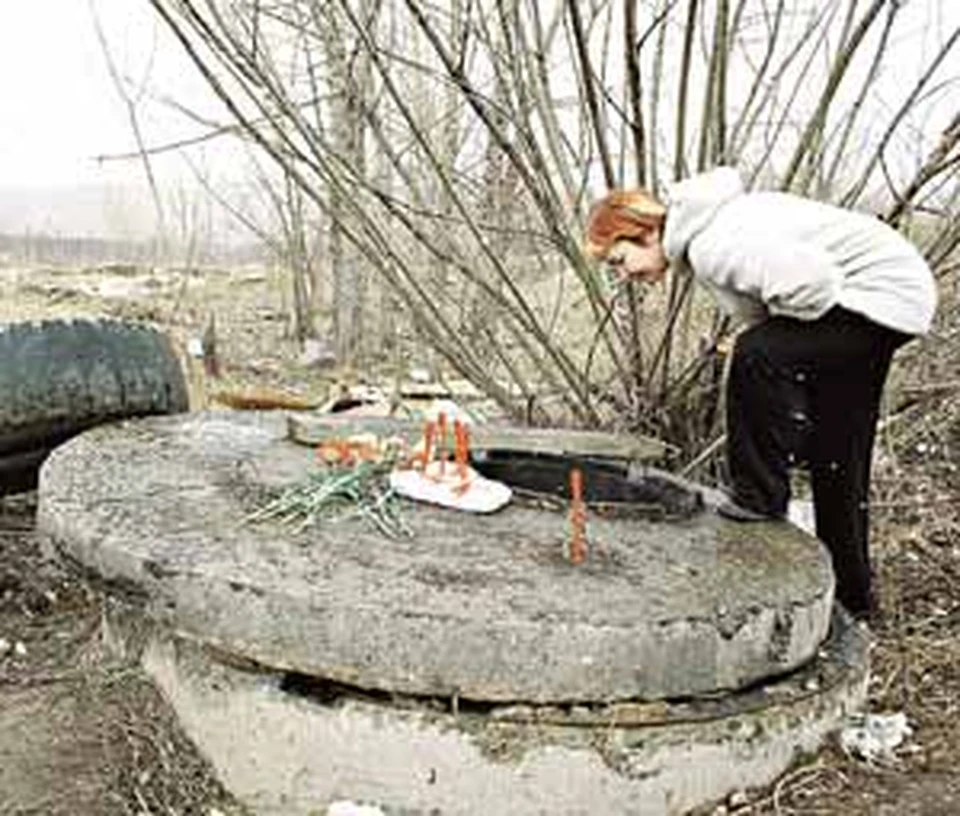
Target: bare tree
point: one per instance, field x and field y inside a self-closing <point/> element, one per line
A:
<point x="131" y="95"/>
<point x="453" y="149"/>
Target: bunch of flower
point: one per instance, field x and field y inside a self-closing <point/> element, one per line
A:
<point x="351" y="481"/>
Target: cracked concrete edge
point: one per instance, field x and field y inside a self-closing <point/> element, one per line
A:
<point x="486" y="664"/>
<point x="290" y="755"/>
<point x="494" y="665"/>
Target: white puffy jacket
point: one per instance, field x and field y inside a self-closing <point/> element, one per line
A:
<point x="779" y="254"/>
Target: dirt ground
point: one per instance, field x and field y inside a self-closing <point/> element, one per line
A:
<point x="83" y="733"/>
<point x="80" y="733"/>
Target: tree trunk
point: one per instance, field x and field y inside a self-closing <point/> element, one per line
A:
<point x="347" y="78"/>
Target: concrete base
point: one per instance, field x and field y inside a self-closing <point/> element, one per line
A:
<point x="290" y="754"/>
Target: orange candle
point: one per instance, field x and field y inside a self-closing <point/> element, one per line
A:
<point x="461" y="447"/>
<point x="578" y="518"/>
<point x="442" y="441"/>
<point x="428" y="432"/>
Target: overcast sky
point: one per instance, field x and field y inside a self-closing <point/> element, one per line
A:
<point x="59" y="108"/>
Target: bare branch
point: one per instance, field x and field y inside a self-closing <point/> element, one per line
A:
<point x="851" y="196"/>
<point x="590" y="93"/>
<point x="814" y="129"/>
<point x="130" y="103"/>
<point x="679" y="151"/>
<point x="939" y="161"/>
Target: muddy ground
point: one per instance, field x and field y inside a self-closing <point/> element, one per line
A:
<point x="83" y="733"/>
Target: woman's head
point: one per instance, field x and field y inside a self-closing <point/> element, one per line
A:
<point x="624" y="229"/>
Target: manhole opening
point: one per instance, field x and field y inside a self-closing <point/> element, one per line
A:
<point x="609" y="485"/>
<point x="330" y="692"/>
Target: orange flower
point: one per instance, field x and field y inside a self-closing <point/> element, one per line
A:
<point x="347" y="452"/>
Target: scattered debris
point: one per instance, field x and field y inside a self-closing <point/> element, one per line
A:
<point x="263" y="399"/>
<point x="317" y="354"/>
<point x="346" y="808"/>
<point x="875" y="736"/>
<point x="361" y="400"/>
<point x="447" y="407"/>
<point x="195" y="348"/>
<point x="211" y="357"/>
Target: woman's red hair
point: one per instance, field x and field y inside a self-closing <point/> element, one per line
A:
<point x="621" y="214"/>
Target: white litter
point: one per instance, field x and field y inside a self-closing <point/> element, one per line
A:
<point x="346" y="808"/>
<point x="875" y="736"/>
<point x="442" y="483"/>
<point x="195" y="347"/>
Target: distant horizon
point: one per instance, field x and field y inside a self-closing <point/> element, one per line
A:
<point x="29" y="246"/>
<point x="113" y="211"/>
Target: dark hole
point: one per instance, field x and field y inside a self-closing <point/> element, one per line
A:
<point x="607" y="483"/>
<point x="346" y="404"/>
<point x="329" y="692"/>
<point x="322" y="691"/>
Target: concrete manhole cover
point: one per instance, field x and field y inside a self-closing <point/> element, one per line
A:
<point x="481" y="610"/>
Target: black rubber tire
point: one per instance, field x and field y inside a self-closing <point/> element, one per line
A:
<point x="58" y="378"/>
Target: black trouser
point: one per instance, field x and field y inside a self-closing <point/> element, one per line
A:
<point x="809" y="392"/>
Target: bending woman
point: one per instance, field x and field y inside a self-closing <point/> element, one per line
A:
<point x="828" y="295"/>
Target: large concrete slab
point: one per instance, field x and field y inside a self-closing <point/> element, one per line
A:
<point x="483" y="608"/>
